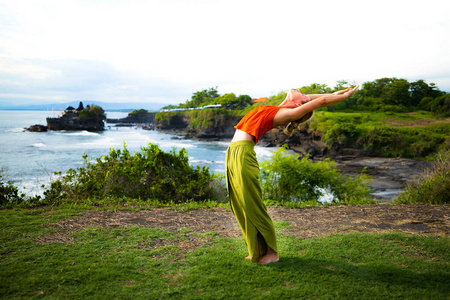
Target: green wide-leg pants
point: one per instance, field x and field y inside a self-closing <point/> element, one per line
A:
<point x="244" y="189"/>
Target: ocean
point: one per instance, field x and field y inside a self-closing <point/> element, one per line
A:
<point x="29" y="159"/>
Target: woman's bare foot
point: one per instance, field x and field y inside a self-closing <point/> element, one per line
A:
<point x="269" y="257"/>
<point x="248" y="257"/>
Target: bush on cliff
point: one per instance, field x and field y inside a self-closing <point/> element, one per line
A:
<point x="433" y="187"/>
<point x="93" y="111"/>
<point x="198" y="120"/>
<point x="139" y="112"/>
<point x="286" y="178"/>
<point x="148" y="175"/>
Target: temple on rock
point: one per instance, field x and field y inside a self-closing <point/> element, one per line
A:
<point x="90" y="118"/>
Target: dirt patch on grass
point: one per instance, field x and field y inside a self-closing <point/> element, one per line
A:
<point x="416" y="123"/>
<point x="304" y="223"/>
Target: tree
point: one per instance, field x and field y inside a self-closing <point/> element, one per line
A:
<point x="93" y="111"/>
<point x="420" y="89"/>
<point x="200" y="98"/>
<point x="243" y="101"/>
<point x="227" y="99"/>
<point x="170" y="106"/>
<point x="342" y="85"/>
<point x="384" y="93"/>
<point x="441" y="105"/>
<point x="315" y="88"/>
<point x="397" y="93"/>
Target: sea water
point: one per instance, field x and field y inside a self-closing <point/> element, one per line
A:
<point x="29" y="159"/>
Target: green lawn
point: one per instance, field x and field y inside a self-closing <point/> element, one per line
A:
<point x="146" y="263"/>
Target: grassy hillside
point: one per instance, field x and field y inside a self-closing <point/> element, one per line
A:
<point x="411" y="135"/>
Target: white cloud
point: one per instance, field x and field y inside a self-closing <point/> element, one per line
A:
<point x="242" y="46"/>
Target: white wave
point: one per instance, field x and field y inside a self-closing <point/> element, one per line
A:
<point x="327" y="196"/>
<point x="388" y="193"/>
<point x="39" y="145"/>
<point x="15" y="130"/>
<point x="102" y="143"/>
<point x="84" y="133"/>
<point x="264" y="152"/>
<point x="204" y="162"/>
<point x="178" y="146"/>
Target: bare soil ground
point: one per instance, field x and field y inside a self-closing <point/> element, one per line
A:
<point x="305" y="223"/>
<point x="416" y="123"/>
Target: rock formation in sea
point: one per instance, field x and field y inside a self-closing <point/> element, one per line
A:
<point x="90" y="118"/>
<point x="136" y="117"/>
<point x="207" y="126"/>
<point x="37" y="128"/>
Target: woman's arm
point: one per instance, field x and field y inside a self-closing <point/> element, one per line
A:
<point x="315" y="96"/>
<point x="295" y="98"/>
<point x="286" y="115"/>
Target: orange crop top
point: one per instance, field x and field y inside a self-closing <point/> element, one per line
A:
<point x="258" y="121"/>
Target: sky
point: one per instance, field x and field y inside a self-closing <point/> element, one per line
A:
<point x="55" y="51"/>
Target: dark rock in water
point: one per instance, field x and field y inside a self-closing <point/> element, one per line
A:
<point x="75" y="123"/>
<point x="37" y="128"/>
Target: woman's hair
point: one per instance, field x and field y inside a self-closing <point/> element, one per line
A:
<point x="294" y="124"/>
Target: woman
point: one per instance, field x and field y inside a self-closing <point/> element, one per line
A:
<point x="242" y="169"/>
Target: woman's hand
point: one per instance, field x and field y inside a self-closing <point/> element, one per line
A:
<point x="341" y="92"/>
<point x="349" y="90"/>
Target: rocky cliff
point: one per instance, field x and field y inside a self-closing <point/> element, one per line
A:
<point x="90" y="118"/>
<point x="147" y="117"/>
<point x="198" y="125"/>
<point x="71" y="121"/>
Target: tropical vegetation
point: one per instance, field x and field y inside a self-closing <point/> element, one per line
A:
<point x="293" y="181"/>
<point x="93" y="111"/>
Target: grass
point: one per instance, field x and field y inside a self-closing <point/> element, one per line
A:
<point x="148" y="263"/>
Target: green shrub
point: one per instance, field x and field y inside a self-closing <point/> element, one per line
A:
<point x="341" y="135"/>
<point x="163" y="118"/>
<point x="403" y="141"/>
<point x="441" y="106"/>
<point x="139" y="112"/>
<point x="286" y="178"/>
<point x="433" y="186"/>
<point x="150" y="174"/>
<point x="9" y="194"/>
<point x="93" y="111"/>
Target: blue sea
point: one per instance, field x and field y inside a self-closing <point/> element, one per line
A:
<point x="29" y="159"/>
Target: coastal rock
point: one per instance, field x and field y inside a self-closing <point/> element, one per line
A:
<point x="219" y="127"/>
<point x="135" y="118"/>
<point x="73" y="122"/>
<point x="37" y="128"/>
<point x="304" y="141"/>
<point x="90" y="118"/>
